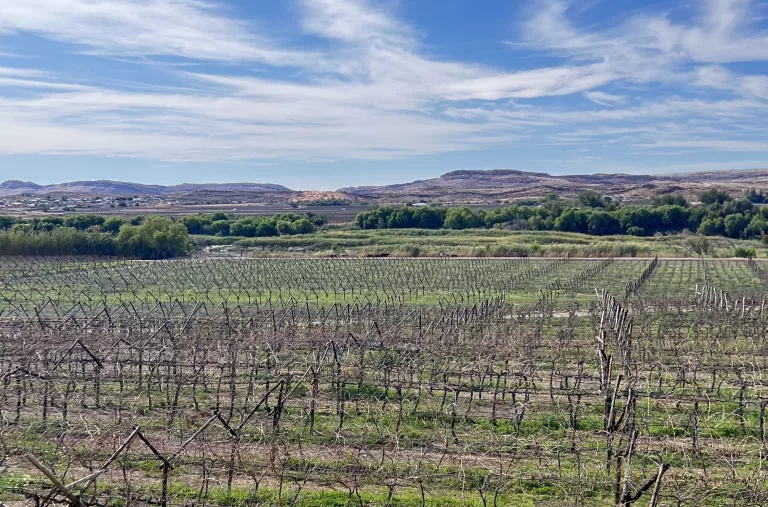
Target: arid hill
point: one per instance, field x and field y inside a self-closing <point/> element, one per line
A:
<point x="498" y="185"/>
<point x="506" y="185"/>
<point x="119" y="188"/>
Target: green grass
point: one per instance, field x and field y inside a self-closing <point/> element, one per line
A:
<point x="481" y="243"/>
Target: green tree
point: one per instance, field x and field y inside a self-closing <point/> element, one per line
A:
<point x="303" y="226"/>
<point x="675" y="217"/>
<point x="757" y="227"/>
<point x="157" y="238"/>
<point x="669" y="200"/>
<point x="603" y="223"/>
<point x="573" y="220"/>
<point x="591" y="199"/>
<point x="462" y="218"/>
<point x="755" y="196"/>
<point x="47" y="223"/>
<point x="714" y="196"/>
<point x="284" y="227"/>
<point x="697" y="215"/>
<point x="60" y="241"/>
<point x="642" y="221"/>
<point x="537" y="223"/>
<point x="22" y="227"/>
<point x="743" y="206"/>
<point x="744" y="252"/>
<point x="113" y="224"/>
<point x="220" y="227"/>
<point x="83" y="222"/>
<point x="711" y="227"/>
<point x="735" y="224"/>
<point x="266" y="229"/>
<point x="7" y="222"/>
<point x="401" y="218"/>
<point x="195" y="224"/>
<point x="428" y="217"/>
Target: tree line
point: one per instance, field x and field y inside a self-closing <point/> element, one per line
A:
<point x="220" y="224"/>
<point x="213" y="224"/>
<point x="154" y="237"/>
<point x="717" y="214"/>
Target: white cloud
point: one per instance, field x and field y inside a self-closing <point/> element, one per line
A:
<point x="621" y="50"/>
<point x="653" y="48"/>
<point x="715" y="76"/>
<point x="184" y="28"/>
<point x="530" y="84"/>
<point x="353" y="21"/>
<point x="604" y="99"/>
<point x="373" y="91"/>
<point x="30" y="83"/>
<point x="15" y="72"/>
<point x="11" y="77"/>
<point x="285" y="123"/>
<point x="723" y="35"/>
<point x="714" y="144"/>
<point x="721" y="32"/>
<point x="756" y="85"/>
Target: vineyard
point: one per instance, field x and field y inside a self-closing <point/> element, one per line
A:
<point x="403" y="382"/>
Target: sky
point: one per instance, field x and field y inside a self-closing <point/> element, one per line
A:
<point x="323" y="94"/>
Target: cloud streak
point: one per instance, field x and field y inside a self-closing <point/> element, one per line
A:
<point x="181" y="28"/>
<point x="370" y="90"/>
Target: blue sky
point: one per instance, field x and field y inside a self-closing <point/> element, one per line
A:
<point x="320" y="94"/>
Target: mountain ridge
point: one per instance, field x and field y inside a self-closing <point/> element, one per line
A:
<point x="466" y="186"/>
<point x="121" y="188"/>
<point x="509" y="184"/>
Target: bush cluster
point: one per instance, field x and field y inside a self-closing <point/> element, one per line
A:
<point x="718" y="214"/>
<point x="219" y="224"/>
<point x="155" y="237"/>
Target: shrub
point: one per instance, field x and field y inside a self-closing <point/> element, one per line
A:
<point x="748" y="253"/>
<point x="113" y="224"/>
<point x="60" y="241"/>
<point x="157" y="238"/>
<point x="714" y="196"/>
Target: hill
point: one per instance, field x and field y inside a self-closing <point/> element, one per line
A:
<point x="118" y="188"/>
<point x="507" y="184"/>
<point x="468" y="187"/>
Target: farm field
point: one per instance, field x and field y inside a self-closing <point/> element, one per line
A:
<point x="336" y="240"/>
<point x="334" y="382"/>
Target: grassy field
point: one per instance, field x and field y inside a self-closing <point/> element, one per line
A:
<point x="336" y="240"/>
<point x="384" y="382"/>
<point x="328" y="282"/>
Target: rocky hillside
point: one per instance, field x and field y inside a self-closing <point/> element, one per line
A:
<point x="468" y="187"/>
<point x="504" y="185"/>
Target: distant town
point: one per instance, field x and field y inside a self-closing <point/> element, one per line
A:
<point x="97" y="204"/>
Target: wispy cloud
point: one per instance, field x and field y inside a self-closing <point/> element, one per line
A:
<point x="370" y="90"/>
<point x="354" y="21"/>
<point x="184" y="28"/>
<point x="602" y="98"/>
<point x="755" y="85"/>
